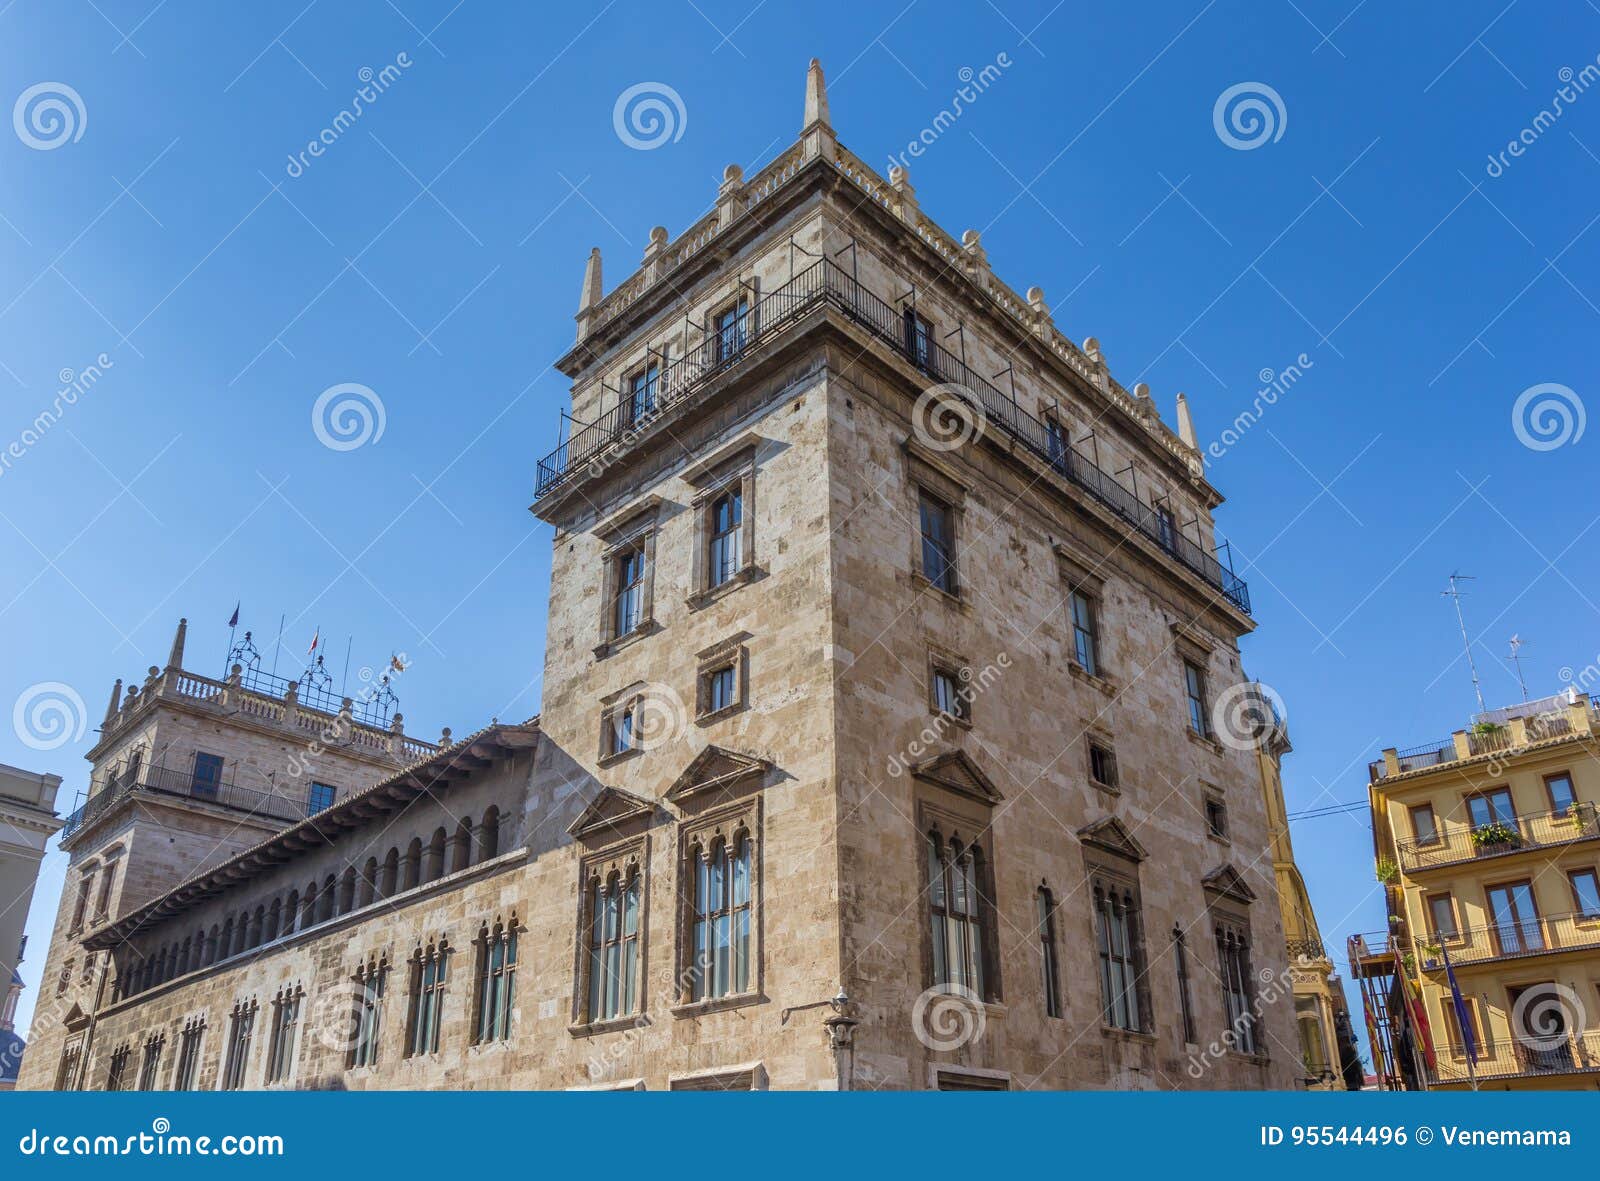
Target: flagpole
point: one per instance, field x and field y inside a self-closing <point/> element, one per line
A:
<point x="344" y="682"/>
<point x="279" y="647"/>
<point x="1463" y="1016"/>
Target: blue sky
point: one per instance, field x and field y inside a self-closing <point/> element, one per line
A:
<point x="433" y="254"/>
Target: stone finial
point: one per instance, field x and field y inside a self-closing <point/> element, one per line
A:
<point x="116" y="701"/>
<point x="175" y="657"/>
<point x="591" y="282"/>
<point x="816" y="97"/>
<point x="658" y="236"/>
<point x="1091" y="349"/>
<point x="444" y="738"/>
<point x="1186" y="424"/>
<point x="733" y="174"/>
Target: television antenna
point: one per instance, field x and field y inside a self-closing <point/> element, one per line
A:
<point x="1516" y="647"/>
<point x="1455" y="592"/>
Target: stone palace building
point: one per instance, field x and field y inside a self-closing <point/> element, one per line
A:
<point x="894" y="733"/>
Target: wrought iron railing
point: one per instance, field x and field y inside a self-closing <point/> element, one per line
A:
<point x="1576" y="1052"/>
<point x="595" y="446"/>
<point x="1459" y="841"/>
<point x="1311" y="949"/>
<point x="366" y="709"/>
<point x="166" y="781"/>
<point x="1512" y="938"/>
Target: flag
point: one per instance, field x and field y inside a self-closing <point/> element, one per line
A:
<point x="396" y="664"/>
<point x="234" y="622"/>
<point x="1469" y="1043"/>
<point x="316" y="638"/>
<point x="1415" y="1011"/>
<point x="1379" y="1066"/>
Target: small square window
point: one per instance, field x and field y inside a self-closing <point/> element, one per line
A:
<point x="1216" y="818"/>
<point x="721" y="689"/>
<point x="320" y="797"/>
<point x="619" y="732"/>
<point x="950" y="695"/>
<point x="1103" y="765"/>
<point x="207" y="774"/>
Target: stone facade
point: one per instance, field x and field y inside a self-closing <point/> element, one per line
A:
<point x="27" y="821"/>
<point x="780" y="746"/>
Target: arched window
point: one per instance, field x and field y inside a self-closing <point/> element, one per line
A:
<point x="308" y="906"/>
<point x="258" y="922"/>
<point x="461" y="846"/>
<point x="274" y="920"/>
<point x="497" y="977"/>
<point x="958" y="911"/>
<point x="489" y="834"/>
<point x="429" y="970"/>
<point x="721" y="934"/>
<point x="613" y="907"/>
<point x="389" y="882"/>
<point x="211" y="945"/>
<point x="1050" y="967"/>
<point x="347" y="890"/>
<point x="1238" y="987"/>
<point x="369" y="882"/>
<point x="291" y="913"/>
<point x="413" y="864"/>
<point x="326" y="898"/>
<point x="1119" y="943"/>
<point x="225" y="948"/>
<point x="435" y="865"/>
<point x="183" y="957"/>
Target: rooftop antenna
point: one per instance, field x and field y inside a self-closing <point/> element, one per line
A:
<point x="1455" y="593"/>
<point x="1516" y="647"/>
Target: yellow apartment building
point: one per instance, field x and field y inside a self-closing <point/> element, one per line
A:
<point x="1488" y="845"/>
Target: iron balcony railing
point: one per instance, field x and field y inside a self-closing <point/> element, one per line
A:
<point x="1512" y="938"/>
<point x="165" y="781"/>
<point x="1458" y="842"/>
<point x="594" y="446"/>
<point x="1564" y="1053"/>
<point x="1311" y="949"/>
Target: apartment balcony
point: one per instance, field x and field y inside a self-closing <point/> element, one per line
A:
<point x="1575" y="1053"/>
<point x="595" y="446"/>
<point x="1513" y="940"/>
<point x="1459" y="843"/>
<point x="172" y="784"/>
<point x="1549" y="720"/>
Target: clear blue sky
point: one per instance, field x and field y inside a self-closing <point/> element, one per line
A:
<point x="433" y="254"/>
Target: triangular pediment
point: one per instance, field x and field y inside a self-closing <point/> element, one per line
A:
<point x="1112" y="836"/>
<point x="956" y="770"/>
<point x="610" y="812"/>
<point x="715" y="769"/>
<point x="75" y="1019"/>
<point x="1228" y="882"/>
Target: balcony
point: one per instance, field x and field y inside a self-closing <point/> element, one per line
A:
<point x="161" y="781"/>
<point x="1514" y="939"/>
<point x="1459" y="843"/>
<point x="1576" y="1053"/>
<point x="1566" y="715"/>
<point x="595" y="446"/>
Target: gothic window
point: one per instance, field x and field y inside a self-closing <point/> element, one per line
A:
<point x="367" y="1018"/>
<point x="285" y="1024"/>
<point x="613" y="942"/>
<point x="429" y="972"/>
<point x="241" y="1026"/>
<point x="1180" y="953"/>
<point x="720" y="917"/>
<point x="189" y="1055"/>
<point x="960" y="914"/>
<point x="1238" y="987"/>
<point x="117" y="1075"/>
<point x="150" y="1063"/>
<point x="497" y="977"/>
<point x="69" y="1074"/>
<point x="1050" y="967"/>
<point x="1119" y="946"/>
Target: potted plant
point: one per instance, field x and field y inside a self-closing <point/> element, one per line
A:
<point x="1388" y="872"/>
<point x="1487" y="729"/>
<point x="1495" y="836"/>
<point x="1431" y="954"/>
